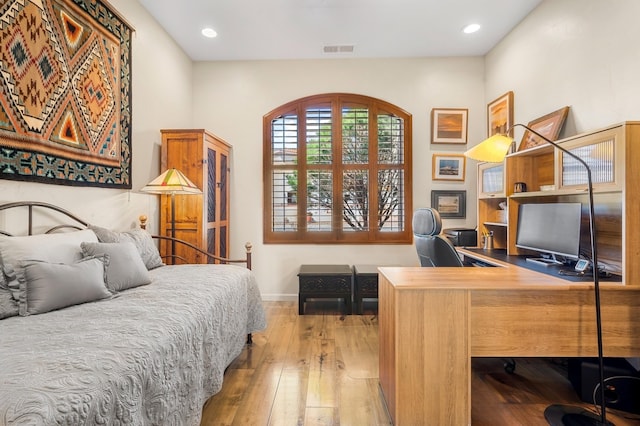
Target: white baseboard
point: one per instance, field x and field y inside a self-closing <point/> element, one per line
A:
<point x="280" y="297"/>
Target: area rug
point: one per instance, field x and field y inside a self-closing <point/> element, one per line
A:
<point x="65" y="93"/>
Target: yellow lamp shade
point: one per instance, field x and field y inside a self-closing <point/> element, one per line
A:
<point x="492" y="150"/>
<point x="171" y="181"/>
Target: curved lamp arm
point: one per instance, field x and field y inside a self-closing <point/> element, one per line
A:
<point x="494" y="149"/>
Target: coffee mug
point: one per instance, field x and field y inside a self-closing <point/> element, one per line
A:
<point x="520" y="187"/>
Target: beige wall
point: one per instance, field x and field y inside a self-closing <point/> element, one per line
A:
<point x="581" y="53"/>
<point x="231" y="98"/>
<point x="161" y="96"/>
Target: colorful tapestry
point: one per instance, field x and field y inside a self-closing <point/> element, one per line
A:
<point x="65" y="82"/>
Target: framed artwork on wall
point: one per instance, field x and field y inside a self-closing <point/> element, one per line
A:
<point x="448" y="167"/>
<point x="500" y="114"/>
<point x="449" y="125"/>
<point x="548" y="126"/>
<point x="450" y="204"/>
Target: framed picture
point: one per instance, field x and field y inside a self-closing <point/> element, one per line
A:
<point x="548" y="126"/>
<point x="449" y="125"/>
<point x="500" y="115"/>
<point x="451" y="204"/>
<point x="448" y="167"/>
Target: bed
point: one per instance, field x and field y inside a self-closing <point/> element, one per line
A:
<point x="150" y="353"/>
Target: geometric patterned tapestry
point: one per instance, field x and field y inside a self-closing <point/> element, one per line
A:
<point x="65" y="93"/>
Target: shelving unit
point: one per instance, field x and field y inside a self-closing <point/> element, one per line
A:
<point x="613" y="156"/>
<point x="491" y="194"/>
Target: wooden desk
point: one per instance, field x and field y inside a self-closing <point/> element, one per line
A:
<point x="433" y="320"/>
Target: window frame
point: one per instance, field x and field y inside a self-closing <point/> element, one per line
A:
<point x="337" y="235"/>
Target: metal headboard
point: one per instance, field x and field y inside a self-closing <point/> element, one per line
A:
<point x="79" y="224"/>
<point x="29" y="205"/>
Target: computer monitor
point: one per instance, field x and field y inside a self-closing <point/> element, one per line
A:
<point x="550" y="228"/>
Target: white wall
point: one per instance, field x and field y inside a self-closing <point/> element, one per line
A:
<point x="230" y="99"/>
<point x="581" y="53"/>
<point x="161" y="97"/>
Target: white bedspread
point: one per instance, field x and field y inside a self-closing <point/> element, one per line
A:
<point x="150" y="356"/>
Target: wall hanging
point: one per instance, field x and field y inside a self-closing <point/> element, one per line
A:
<point x="65" y="106"/>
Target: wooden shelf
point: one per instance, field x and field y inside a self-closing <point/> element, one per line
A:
<point x="612" y="154"/>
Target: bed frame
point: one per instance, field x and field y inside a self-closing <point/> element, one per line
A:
<point x="78" y="224"/>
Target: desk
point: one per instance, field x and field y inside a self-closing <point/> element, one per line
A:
<point x="433" y="320"/>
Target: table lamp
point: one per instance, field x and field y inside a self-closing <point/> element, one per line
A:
<point x="494" y="149"/>
<point x="172" y="182"/>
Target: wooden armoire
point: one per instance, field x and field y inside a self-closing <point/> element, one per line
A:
<point x="202" y="220"/>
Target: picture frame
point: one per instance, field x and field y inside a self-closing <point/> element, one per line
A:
<point x="449" y="125"/>
<point x="450" y="204"/>
<point x="500" y="115"/>
<point x="450" y="167"/>
<point x="549" y="126"/>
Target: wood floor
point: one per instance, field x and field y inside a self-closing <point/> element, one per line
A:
<point x="322" y="369"/>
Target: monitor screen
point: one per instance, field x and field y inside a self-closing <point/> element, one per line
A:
<point x="552" y="228"/>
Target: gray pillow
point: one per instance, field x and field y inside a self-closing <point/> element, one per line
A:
<point x="47" y="286"/>
<point x="8" y="305"/>
<point x="53" y="248"/>
<point x="124" y="267"/>
<point x="141" y="238"/>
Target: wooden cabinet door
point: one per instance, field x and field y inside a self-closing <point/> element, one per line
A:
<point x="202" y="220"/>
<point x="217" y="211"/>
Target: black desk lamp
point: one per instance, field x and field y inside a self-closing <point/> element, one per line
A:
<point x="494" y="149"/>
<point x="172" y="182"/>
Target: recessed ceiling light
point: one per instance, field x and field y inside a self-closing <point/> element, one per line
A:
<point x="209" y="32"/>
<point x="471" y="28"/>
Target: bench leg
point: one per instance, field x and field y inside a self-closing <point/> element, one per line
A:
<point x="301" y="299"/>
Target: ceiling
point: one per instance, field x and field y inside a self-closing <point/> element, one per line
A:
<point x="300" y="29"/>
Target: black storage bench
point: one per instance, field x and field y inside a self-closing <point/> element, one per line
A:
<point x="325" y="281"/>
<point x="365" y="284"/>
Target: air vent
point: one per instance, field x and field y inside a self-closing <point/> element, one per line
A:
<point x="345" y="48"/>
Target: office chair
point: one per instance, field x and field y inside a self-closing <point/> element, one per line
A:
<point x="436" y="250"/>
<point x="433" y="248"/>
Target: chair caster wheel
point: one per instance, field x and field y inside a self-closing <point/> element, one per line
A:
<point x="510" y="367"/>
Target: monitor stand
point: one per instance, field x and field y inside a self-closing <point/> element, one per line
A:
<point x="545" y="261"/>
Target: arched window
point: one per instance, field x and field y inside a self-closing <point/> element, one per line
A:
<point x="337" y="169"/>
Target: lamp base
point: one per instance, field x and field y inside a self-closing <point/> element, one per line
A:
<point x="568" y="415"/>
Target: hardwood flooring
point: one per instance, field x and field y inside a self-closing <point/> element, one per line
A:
<point x="322" y="369"/>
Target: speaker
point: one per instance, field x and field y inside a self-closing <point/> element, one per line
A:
<point x="622" y="382"/>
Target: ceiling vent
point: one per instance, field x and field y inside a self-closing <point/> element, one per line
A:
<point x="345" y="48"/>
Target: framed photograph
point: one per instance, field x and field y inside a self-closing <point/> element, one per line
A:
<point x="448" y="167"/>
<point x="548" y="126"/>
<point x="449" y="125"/>
<point x="451" y="204"/>
<point x="500" y="115"/>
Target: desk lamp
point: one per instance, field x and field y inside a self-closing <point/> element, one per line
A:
<point x="494" y="149"/>
<point x="172" y="182"/>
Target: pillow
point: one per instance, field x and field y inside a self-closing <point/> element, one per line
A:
<point x="53" y="248"/>
<point x="124" y="267"/>
<point x="49" y="286"/>
<point x="8" y="305"/>
<point x="141" y="238"/>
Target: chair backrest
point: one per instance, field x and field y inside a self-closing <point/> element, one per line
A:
<point x="433" y="249"/>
